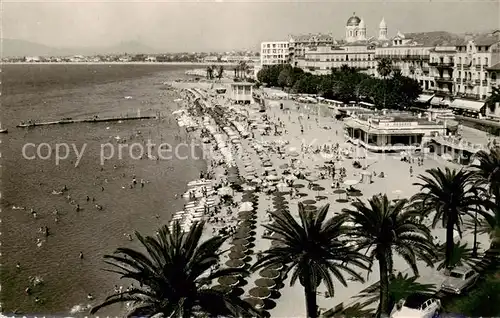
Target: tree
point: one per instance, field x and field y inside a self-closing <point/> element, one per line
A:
<point x="401" y="286"/>
<point x="209" y="72"/>
<point x="487" y="173"/>
<point x="174" y="276"/>
<point x="450" y="194"/>
<point x="493" y="99"/>
<point x="284" y="76"/>
<point x="382" y="228"/>
<point x="243" y="68"/>
<point x="220" y="72"/>
<point x="312" y="251"/>
<point x="384" y="68"/>
<point x="461" y="255"/>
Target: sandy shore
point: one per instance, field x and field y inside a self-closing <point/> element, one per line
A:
<point x="320" y="129"/>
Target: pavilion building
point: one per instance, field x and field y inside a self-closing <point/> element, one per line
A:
<point x="391" y="132"/>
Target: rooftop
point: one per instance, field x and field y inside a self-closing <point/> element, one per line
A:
<point x="434" y="38"/>
<point x="312" y="37"/>
<point x="483" y="39"/>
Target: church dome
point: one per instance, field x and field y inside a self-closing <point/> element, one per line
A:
<point x="353" y="21"/>
<point x="382" y="24"/>
<point x="362" y="24"/>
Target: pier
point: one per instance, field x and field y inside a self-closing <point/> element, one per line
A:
<point x="88" y="120"/>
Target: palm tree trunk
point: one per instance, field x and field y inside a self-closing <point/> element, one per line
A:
<point x="384" y="283"/>
<point x="449" y="240"/>
<point x="310" y="293"/>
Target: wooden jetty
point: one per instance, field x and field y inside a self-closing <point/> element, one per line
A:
<point x="88" y="120"/>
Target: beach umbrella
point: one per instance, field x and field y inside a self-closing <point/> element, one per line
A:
<point x="355" y="194"/>
<point x="259" y="292"/>
<point x="255" y="302"/>
<point x="309" y="201"/>
<point x="237" y="255"/>
<point x="269" y="273"/>
<point x="246" y="215"/>
<point x="225" y="191"/>
<point x="275" y="266"/>
<point x="267" y="164"/>
<point x="321" y="197"/>
<point x="242" y="242"/>
<point x="222" y="288"/>
<point x="228" y="281"/>
<point x="265" y="283"/>
<point x="272" y="177"/>
<point x="318" y="188"/>
<point x="269" y="169"/>
<point x="246" y="206"/>
<point x="239" y="249"/>
<point x="311" y="178"/>
<point x="242" y="235"/>
<point x="351" y="182"/>
<point x="235" y="263"/>
<point x="301" y="194"/>
<point x="298" y="186"/>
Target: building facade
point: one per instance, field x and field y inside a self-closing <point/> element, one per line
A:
<point x="299" y="43"/>
<point x="272" y="53"/>
<point x="391" y="133"/>
<point x="322" y="59"/>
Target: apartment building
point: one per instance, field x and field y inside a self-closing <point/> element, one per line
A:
<point x="272" y="53"/>
<point x="322" y="59"/>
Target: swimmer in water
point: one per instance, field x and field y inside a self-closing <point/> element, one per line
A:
<point x="77" y="207"/>
<point x="81" y="255"/>
<point x="56" y="220"/>
<point x="18" y="265"/>
<point x="90" y="297"/>
<point x="56" y="212"/>
<point x="102" y="188"/>
<point x="88" y="198"/>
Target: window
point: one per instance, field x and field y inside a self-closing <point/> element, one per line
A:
<point x="485" y="61"/>
<point x="469" y="275"/>
<point x="459" y="60"/>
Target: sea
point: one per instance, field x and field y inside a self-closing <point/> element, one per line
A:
<point x="32" y="181"/>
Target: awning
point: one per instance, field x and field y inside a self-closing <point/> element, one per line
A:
<point x="367" y="104"/>
<point x="468" y="105"/>
<point x="424" y="98"/>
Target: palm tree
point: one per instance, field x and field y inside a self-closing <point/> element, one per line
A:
<point x="384" y="68"/>
<point x="312" y="249"/>
<point x="383" y="227"/>
<point x="487" y="172"/>
<point x="451" y="194"/>
<point x="174" y="276"/>
<point x="220" y="71"/>
<point x="400" y="287"/>
<point x="243" y="68"/>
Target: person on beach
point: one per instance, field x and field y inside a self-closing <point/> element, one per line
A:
<point x="411" y="171"/>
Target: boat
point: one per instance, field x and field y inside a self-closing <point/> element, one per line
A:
<point x="3" y="130"/>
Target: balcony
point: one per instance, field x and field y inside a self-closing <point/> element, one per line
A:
<point x="445" y="65"/>
<point x="443" y="79"/>
<point x="477" y="81"/>
<point x="485" y="83"/>
<point x="433" y="63"/>
<point x="469" y="83"/>
<point x="465" y="67"/>
<point x="478" y="67"/>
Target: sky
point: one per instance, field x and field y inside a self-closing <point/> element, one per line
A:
<point x="219" y="25"/>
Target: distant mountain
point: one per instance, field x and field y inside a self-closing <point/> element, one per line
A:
<point x="13" y="47"/>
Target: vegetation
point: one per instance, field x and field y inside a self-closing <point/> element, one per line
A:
<point x="400" y="287"/>
<point x="174" y="275"/>
<point x="450" y="195"/>
<point x="493" y="99"/>
<point x="382" y="228"/>
<point x="313" y="251"/>
<point x="481" y="301"/>
<point x="346" y="84"/>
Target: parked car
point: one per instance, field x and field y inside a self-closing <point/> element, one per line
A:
<point x="459" y="280"/>
<point x="416" y="306"/>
